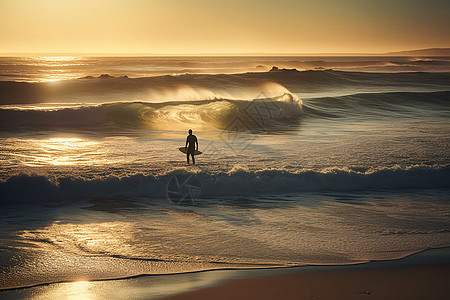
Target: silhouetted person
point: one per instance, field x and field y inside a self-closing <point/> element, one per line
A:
<point x="192" y="141"/>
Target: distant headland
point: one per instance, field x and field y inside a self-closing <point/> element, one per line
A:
<point x="422" y="52"/>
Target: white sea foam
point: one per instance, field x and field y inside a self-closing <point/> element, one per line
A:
<point x="238" y="181"/>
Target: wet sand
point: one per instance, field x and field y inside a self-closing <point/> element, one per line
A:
<point x="405" y="282"/>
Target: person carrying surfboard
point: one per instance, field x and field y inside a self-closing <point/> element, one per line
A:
<point x="192" y="141"/>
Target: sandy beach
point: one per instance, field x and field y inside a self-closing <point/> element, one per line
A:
<point x="407" y="282"/>
<point x="423" y="275"/>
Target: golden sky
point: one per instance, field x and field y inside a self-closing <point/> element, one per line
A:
<point x="230" y="26"/>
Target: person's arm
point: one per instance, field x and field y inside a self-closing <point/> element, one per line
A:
<point x="186" y="143"/>
<point x="196" y="142"/>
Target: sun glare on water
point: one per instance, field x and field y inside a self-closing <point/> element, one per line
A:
<point x="58" y="151"/>
<point x="66" y="151"/>
<point x="51" y="59"/>
<point x="58" y="67"/>
<point x="78" y="290"/>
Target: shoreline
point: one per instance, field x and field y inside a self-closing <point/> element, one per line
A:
<point x="216" y="282"/>
<point x="256" y="268"/>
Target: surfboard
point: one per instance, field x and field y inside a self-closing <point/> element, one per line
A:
<point x="182" y="149"/>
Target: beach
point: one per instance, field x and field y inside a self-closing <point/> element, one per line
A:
<point x="420" y="276"/>
<point x="424" y="282"/>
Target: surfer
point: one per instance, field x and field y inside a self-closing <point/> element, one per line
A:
<point x="192" y="141"/>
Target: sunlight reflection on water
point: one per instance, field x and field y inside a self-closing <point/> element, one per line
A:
<point x="57" y="151"/>
<point x="78" y="290"/>
<point x="56" y="67"/>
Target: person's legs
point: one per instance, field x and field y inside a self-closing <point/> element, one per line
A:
<point x="190" y="151"/>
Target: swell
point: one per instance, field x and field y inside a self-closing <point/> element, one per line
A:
<point x="208" y="86"/>
<point x="379" y="104"/>
<point x="37" y="69"/>
<point x="39" y="189"/>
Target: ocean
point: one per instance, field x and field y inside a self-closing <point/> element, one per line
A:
<point x="306" y="161"/>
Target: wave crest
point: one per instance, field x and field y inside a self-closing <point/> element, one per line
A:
<point x="38" y="189"/>
<point x="217" y="113"/>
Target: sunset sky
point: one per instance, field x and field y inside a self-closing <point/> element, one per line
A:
<point x="231" y="26"/>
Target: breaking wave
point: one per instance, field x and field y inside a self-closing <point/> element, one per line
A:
<point x="217" y="113"/>
<point x="273" y="113"/>
<point x="38" y="189"/>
